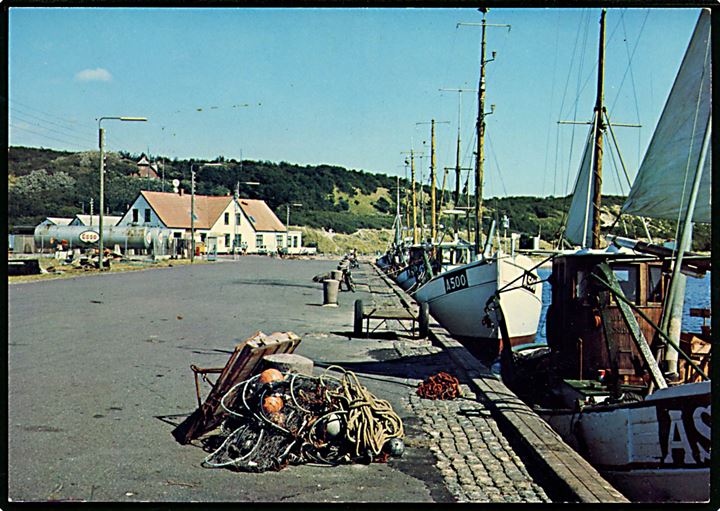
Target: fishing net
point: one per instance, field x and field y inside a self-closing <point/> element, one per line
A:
<point x="301" y="419"/>
<point x="440" y="386"/>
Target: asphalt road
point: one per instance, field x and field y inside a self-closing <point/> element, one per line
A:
<point x="98" y="370"/>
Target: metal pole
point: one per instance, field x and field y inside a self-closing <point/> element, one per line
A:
<point x="235" y="206"/>
<point x="192" y="214"/>
<point x="672" y="316"/>
<point x="101" y="135"/>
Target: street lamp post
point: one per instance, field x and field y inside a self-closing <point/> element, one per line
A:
<point x="101" y="137"/>
<point x="237" y="197"/>
<point x="192" y="204"/>
<point x="287" y="222"/>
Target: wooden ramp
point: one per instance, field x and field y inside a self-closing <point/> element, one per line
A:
<point x="245" y="361"/>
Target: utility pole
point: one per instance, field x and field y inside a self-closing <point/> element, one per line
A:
<point x="192" y="203"/>
<point x="235" y="223"/>
<point x="480" y="128"/>
<point x="599" y="129"/>
<point x="101" y="140"/>
<point x="192" y="214"/>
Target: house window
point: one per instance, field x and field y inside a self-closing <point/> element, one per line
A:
<point x="227" y="218"/>
<point x="136" y="215"/>
<point x="238" y="240"/>
<point x="279" y="240"/>
<point x="147" y="215"/>
<point x="295" y="241"/>
<point x="177" y="235"/>
<point x="259" y="241"/>
<point x="227" y="240"/>
<point x="202" y="237"/>
<point x="237" y="218"/>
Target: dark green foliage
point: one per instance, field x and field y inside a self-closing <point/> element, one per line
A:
<point x="44" y="182"/>
<point x="383" y="205"/>
<point x="280" y="183"/>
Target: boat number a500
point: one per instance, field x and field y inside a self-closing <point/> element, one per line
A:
<point x="455" y="281"/>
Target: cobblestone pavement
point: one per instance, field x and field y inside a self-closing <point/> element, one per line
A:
<point x="474" y="457"/>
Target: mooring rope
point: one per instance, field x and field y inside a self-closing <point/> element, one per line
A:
<point x="370" y="421"/>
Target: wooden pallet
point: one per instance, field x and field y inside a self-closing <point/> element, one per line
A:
<point x="245" y="361"/>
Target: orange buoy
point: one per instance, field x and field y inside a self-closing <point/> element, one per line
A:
<point x="270" y="375"/>
<point x="272" y="404"/>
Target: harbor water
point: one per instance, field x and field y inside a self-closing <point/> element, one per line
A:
<point x="697" y="295"/>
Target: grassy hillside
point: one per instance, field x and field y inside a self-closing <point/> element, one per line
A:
<point x="44" y="182"/>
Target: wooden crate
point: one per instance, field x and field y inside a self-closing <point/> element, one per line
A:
<point x="245" y="361"/>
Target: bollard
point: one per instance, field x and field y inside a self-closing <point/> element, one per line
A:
<point x="330" y="292"/>
<point x="336" y="275"/>
<point x="286" y="362"/>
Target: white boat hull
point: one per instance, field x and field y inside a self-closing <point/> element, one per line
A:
<point x="405" y="279"/>
<point x="457" y="298"/>
<point x="656" y="450"/>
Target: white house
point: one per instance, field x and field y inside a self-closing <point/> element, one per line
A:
<point x="56" y="220"/>
<point x="108" y="220"/>
<point x="221" y="222"/>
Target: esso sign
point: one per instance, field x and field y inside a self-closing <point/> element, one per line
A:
<point x="89" y="237"/>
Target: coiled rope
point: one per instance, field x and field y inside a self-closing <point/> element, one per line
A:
<point x="370" y="421"/>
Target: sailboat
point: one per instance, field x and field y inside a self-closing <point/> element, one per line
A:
<point x="457" y="298"/>
<point x="604" y="387"/>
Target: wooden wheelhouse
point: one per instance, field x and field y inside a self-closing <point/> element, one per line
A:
<point x="579" y="338"/>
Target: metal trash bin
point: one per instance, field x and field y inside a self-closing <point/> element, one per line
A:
<point x="330" y="292"/>
<point x="336" y="275"/>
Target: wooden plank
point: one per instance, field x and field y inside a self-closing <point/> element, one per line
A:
<point x="548" y="449"/>
<point x="245" y="360"/>
<point x="700" y="312"/>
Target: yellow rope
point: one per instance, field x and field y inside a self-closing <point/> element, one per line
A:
<point x="370" y="421"/>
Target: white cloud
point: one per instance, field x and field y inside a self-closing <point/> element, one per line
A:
<point x="94" y="75"/>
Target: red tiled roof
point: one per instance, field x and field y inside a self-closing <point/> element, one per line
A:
<point x="174" y="209"/>
<point x="260" y="215"/>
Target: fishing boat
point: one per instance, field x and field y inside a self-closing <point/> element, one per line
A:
<point x="457" y="298"/>
<point x="616" y="382"/>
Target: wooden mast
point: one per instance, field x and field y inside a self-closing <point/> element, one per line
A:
<point x="456" y="220"/>
<point x="433" y="192"/>
<point x="480" y="154"/>
<point x="599" y="129"/>
<point x="414" y="197"/>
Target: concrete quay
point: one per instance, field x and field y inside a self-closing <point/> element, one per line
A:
<point x="98" y="375"/>
<point x="500" y="431"/>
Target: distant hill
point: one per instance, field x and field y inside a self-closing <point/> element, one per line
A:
<point x="44" y="182"/>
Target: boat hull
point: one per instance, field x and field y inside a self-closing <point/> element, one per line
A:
<point x="655" y="450"/>
<point x="457" y="299"/>
<point x="405" y="279"/>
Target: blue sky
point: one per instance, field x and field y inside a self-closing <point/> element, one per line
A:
<point x="342" y="86"/>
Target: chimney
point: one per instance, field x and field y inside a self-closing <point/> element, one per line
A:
<point x="180" y="191"/>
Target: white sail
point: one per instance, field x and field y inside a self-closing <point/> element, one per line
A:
<point x="579" y="223"/>
<point x="664" y="181"/>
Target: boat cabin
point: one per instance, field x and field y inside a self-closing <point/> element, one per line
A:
<point x="576" y="332"/>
